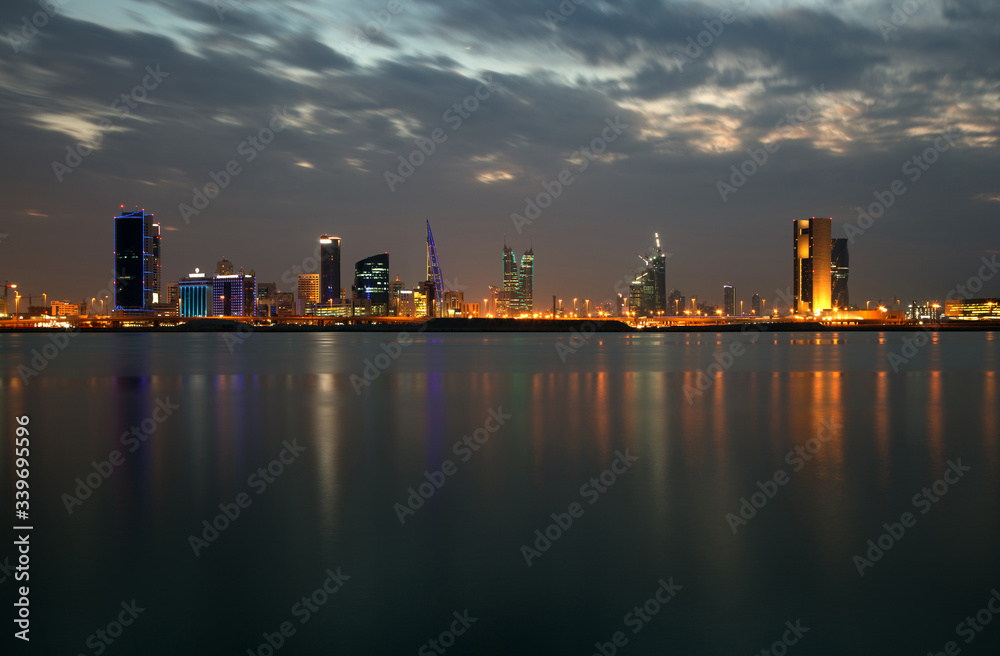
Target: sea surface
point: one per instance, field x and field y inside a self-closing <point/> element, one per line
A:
<point x="673" y="493"/>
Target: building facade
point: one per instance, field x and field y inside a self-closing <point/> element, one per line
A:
<point x="371" y="283"/>
<point x="839" y="272"/>
<point x="195" y="295"/>
<point x="329" y="268"/>
<point x="812" y="277"/>
<point x="134" y="261"/>
<point x="729" y="300"/>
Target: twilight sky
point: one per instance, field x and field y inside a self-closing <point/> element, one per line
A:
<point x="862" y="93"/>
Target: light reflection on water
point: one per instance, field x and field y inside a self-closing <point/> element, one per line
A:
<point x="665" y="517"/>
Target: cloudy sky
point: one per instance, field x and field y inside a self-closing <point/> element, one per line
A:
<point x="838" y="95"/>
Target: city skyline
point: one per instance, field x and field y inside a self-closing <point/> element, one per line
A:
<point x="889" y="158"/>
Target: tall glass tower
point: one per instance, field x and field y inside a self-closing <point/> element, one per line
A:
<point x="329" y="268"/>
<point x="526" y="280"/>
<point x="371" y="281"/>
<point x="134" y="261"/>
<point x="729" y="300"/>
<point x="839" y="270"/>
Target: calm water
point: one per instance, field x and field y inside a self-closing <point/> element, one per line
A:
<point x="696" y="454"/>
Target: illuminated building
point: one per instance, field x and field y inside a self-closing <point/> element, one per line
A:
<point x="173" y="292"/>
<point x="526" y="281"/>
<point x="223" y="267"/>
<point x="675" y="303"/>
<point x="156" y="263"/>
<point x="812" y="250"/>
<point x="434" y="275"/>
<point x="234" y="295"/>
<point x="973" y="309"/>
<point x="420" y="301"/>
<point x="329" y="268"/>
<point x="308" y="291"/>
<point x="195" y="294"/>
<point x="453" y="302"/>
<point x="470" y="310"/>
<point x="658" y="268"/>
<point x="64" y="309"/>
<point x="134" y="261"/>
<point x="839" y="270"/>
<point x="729" y="300"/>
<point x="404" y="304"/>
<point x="396" y="287"/>
<point x="371" y="283"/>
<point x="755" y="306"/>
<point x="508" y="303"/>
<point x="648" y="292"/>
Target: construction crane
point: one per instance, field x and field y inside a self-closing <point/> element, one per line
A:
<point x="434" y="272"/>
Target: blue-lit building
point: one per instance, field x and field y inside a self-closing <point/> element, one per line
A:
<point x="195" y="295"/>
<point x="136" y="261"/>
<point x="371" y="282"/>
<point x="329" y="268"/>
<point x="234" y="295"/>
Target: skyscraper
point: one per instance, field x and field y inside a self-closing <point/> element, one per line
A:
<point x="658" y="265"/>
<point x="839" y="270"/>
<point x="675" y="303"/>
<point x="234" y="295"/>
<point x="329" y="268"/>
<point x="434" y="275"/>
<point x="729" y="300"/>
<point x="511" y="281"/>
<point x="396" y="288"/>
<point x="371" y="281"/>
<point x="157" y="292"/>
<point x="526" y="281"/>
<point x="755" y="305"/>
<point x="811" y="281"/>
<point x="134" y="261"/>
<point x="223" y="267"/>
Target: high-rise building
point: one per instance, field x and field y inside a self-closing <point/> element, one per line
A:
<point x="658" y="266"/>
<point x="839" y="270"/>
<point x="195" y="295"/>
<point x="157" y="291"/>
<point x="134" y="261"/>
<point x="434" y="275"/>
<point x="329" y="268"/>
<point x="755" y="306"/>
<point x="453" y="302"/>
<point x="526" y="281"/>
<point x="284" y="304"/>
<point x="173" y="292"/>
<point x="223" y="267"/>
<point x="396" y="287"/>
<point x="371" y="282"/>
<point x="308" y="291"/>
<point x="508" y="304"/>
<point x="811" y="281"/>
<point x="729" y="300"/>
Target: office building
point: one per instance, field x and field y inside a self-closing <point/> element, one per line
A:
<point x="973" y="309"/>
<point x="284" y="304"/>
<point x="371" y="283"/>
<point x="812" y="278"/>
<point x="675" y="303"/>
<point x="839" y="271"/>
<point x="134" y="263"/>
<point x="195" y="295"/>
<point x="508" y="302"/>
<point x="157" y="292"/>
<point x="307" y="292"/>
<point x="329" y="268"/>
<point x="234" y="295"/>
<point x="173" y="292"/>
<point x="755" y="305"/>
<point x="223" y="267"/>
<point x="453" y="302"/>
<point x="526" y="282"/>
<point x="729" y="300"/>
<point x="396" y="287"/>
